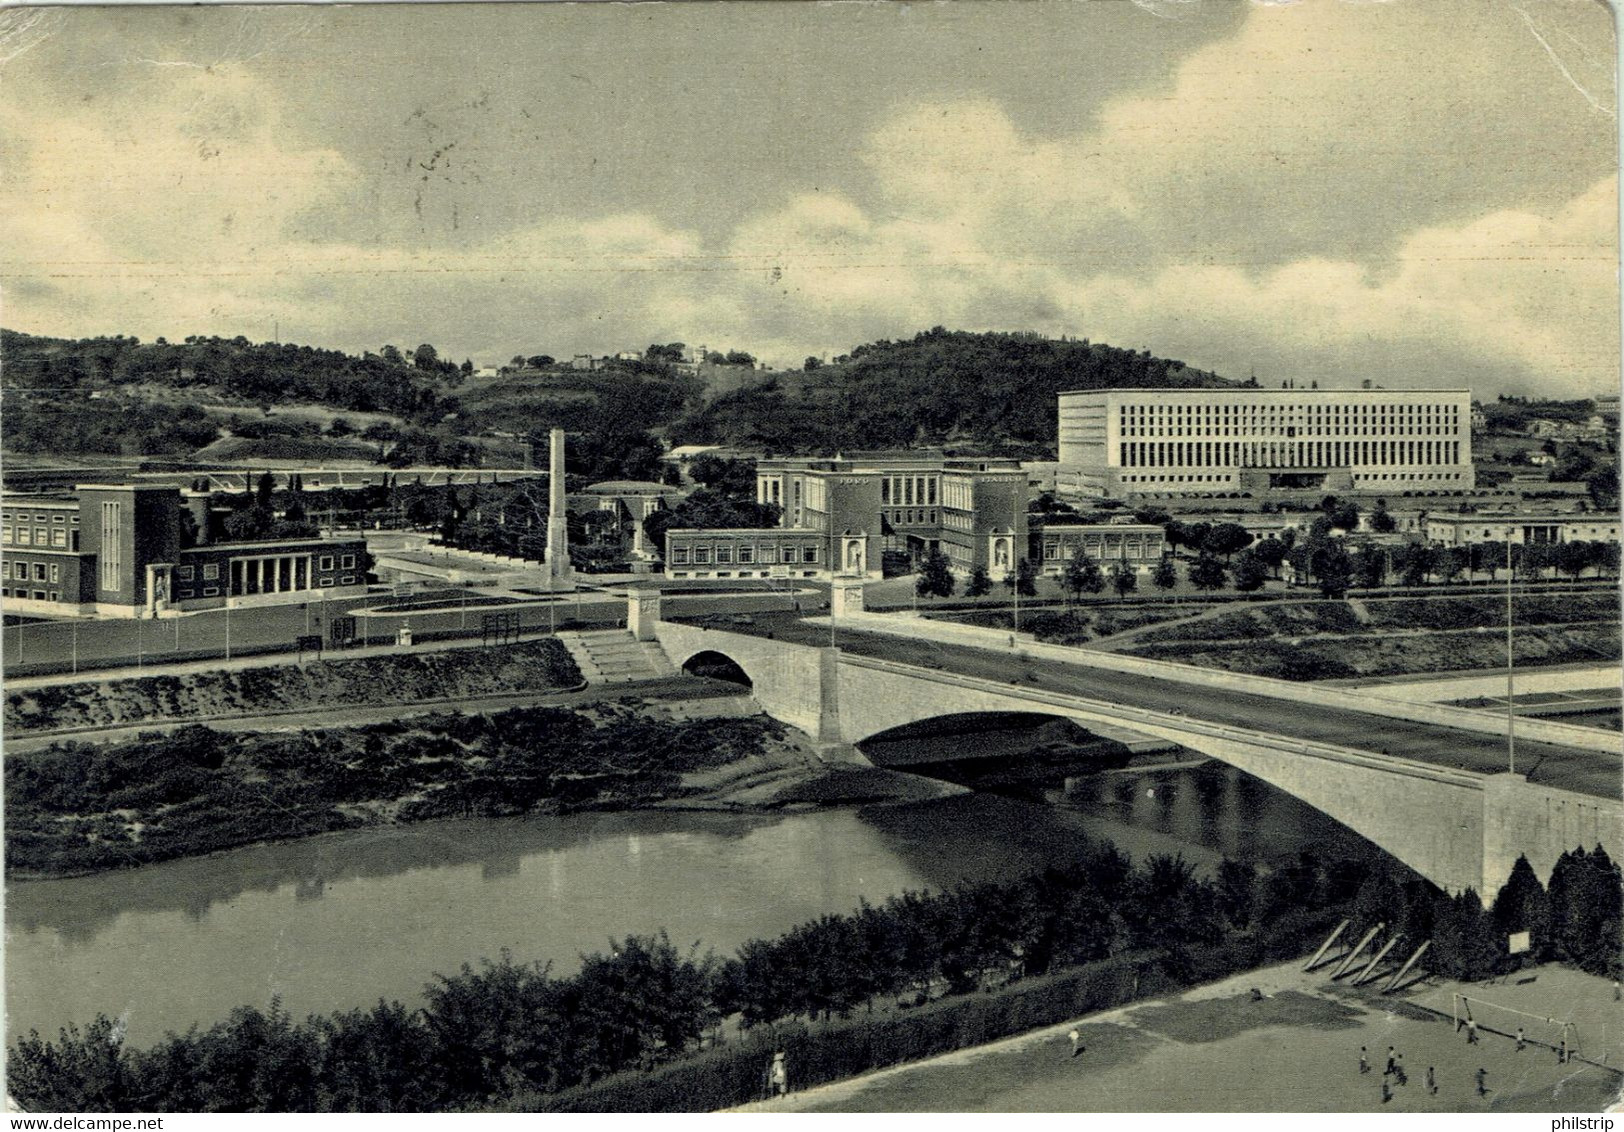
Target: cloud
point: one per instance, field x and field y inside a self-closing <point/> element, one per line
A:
<point x="1334" y="191"/>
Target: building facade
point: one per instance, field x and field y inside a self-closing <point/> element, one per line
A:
<point x="1139" y="545"/>
<point x="703" y="553"/>
<point x="911" y="502"/>
<point x="1118" y="443"/>
<point x="119" y="550"/>
<point x="1455" y="529"/>
<point x="841" y="515"/>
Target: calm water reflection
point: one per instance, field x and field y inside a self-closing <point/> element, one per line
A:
<point x="341" y="921"/>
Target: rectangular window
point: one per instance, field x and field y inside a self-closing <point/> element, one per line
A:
<point x="59" y="537"/>
<point x="39" y="571"/>
<point x="701" y="555"/>
<point x="326" y="581"/>
<point x="348" y="562"/>
<point x="724" y="554"/>
<point x="56" y="595"/>
<point x="183" y="573"/>
<point x="25" y="536"/>
<point x="211" y="591"/>
<point x="42" y="535"/>
<point x="56" y="572"/>
<point x="5" y="569"/>
<point x="769" y="554"/>
<point x="112" y="549"/>
<point x="348" y="580"/>
<point x="327" y="562"/>
<point x="39" y="595"/>
<point x="747" y="555"/>
<point x="809" y="554"/>
<point x="680" y="556"/>
<point x="211" y="572"/>
<point x="5" y="533"/>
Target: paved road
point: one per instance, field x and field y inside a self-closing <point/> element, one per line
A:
<point x="107" y="644"/>
<point x="1564" y="767"/>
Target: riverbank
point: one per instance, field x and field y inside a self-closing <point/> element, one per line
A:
<point x="73" y="809"/>
<point x="1216" y="1049"/>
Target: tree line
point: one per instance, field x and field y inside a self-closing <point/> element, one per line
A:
<point x="486" y="1034"/>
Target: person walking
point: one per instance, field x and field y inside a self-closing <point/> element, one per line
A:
<point x="1618" y="993"/>
<point x="1364" y="1060"/>
<point x="1520" y="1042"/>
<point x="1076" y="1041"/>
<point x="1432" y="1081"/>
<point x="1471" y="1032"/>
<point x="1399" y="1076"/>
<point x="1387" y="1092"/>
<point x="779" y="1075"/>
<point x="1389" y="1070"/>
<point x="1482" y="1082"/>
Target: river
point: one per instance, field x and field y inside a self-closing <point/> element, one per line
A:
<point x="342" y="920"/>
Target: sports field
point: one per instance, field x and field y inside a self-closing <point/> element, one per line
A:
<point x="1216" y="1049"/>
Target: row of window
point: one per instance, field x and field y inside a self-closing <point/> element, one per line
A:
<point x="1055" y="550"/>
<point x="911" y="517"/>
<point x="744" y="555"/>
<point x="1318" y="412"/>
<point x="906" y="491"/>
<point x="1274" y="454"/>
<point x="24" y="517"/>
<point x="733" y="574"/>
<point x="60" y="537"/>
<point x="36" y="595"/>
<point x="40" y="571"/>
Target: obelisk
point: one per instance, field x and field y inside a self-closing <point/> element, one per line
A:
<point x="558" y="529"/>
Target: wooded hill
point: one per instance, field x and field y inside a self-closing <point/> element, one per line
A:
<point x="981" y="390"/>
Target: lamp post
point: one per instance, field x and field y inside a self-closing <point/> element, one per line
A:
<point x="1511" y="711"/>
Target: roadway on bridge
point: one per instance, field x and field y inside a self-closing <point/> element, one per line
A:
<point x="1585" y="772"/>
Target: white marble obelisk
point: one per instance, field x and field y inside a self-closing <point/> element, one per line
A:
<point x="558" y="530"/>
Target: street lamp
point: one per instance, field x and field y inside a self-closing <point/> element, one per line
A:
<point x="1511" y="712"/>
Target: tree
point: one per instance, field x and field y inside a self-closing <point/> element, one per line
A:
<point x="935" y="576"/>
<point x="1250" y="573"/>
<point x="1332" y="568"/>
<point x="1272" y="553"/>
<point x="979" y="584"/>
<point x="467" y="367"/>
<point x="391" y="355"/>
<point x="264" y="491"/>
<point x="1382" y="522"/>
<point x="1023" y="580"/>
<point x="1573" y="557"/>
<point x="1166" y="575"/>
<point x="340" y="427"/>
<point x="1522" y="906"/>
<point x="1226" y="539"/>
<point x="812" y="363"/>
<point x="1207" y="573"/>
<point x="425" y="357"/>
<point x="538" y="361"/>
<point x="1123" y="579"/>
<point x="1082" y="575"/>
<point x="1414" y="563"/>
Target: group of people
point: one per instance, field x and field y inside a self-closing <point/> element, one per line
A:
<point x="1393" y="1072"/>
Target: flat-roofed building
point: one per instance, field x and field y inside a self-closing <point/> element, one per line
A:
<point x="1463" y="529"/>
<point x="1140" y="545"/>
<point x="861" y="505"/>
<point x="122" y="550"/>
<point x="1123" y="442"/>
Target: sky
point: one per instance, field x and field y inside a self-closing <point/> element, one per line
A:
<point x="1412" y="192"/>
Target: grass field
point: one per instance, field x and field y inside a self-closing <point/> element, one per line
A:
<point x="1214" y="1049"/>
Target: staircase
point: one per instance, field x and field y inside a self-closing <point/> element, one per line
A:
<point x="614" y="656"/>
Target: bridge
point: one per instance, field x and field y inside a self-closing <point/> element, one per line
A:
<point x="1458" y="827"/>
